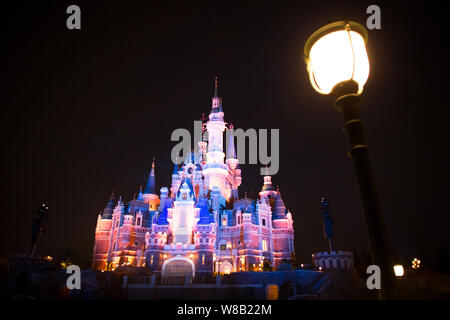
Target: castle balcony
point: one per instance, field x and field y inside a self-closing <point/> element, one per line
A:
<point x="215" y="168"/>
<point x="179" y="248"/>
<point x="226" y="252"/>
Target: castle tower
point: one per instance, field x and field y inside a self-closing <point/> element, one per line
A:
<point x="283" y="231"/>
<point x="232" y="160"/>
<point x="175" y="181"/>
<point x="183" y="216"/>
<point x="215" y="170"/>
<point x="279" y="213"/>
<point x="102" y="235"/>
<point x="268" y="191"/>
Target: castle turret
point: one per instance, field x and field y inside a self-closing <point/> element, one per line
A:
<point x="283" y="234"/>
<point x="102" y="234"/>
<point x="164" y="196"/>
<point x="150" y="187"/>
<point x="232" y="160"/>
<point x="149" y="194"/>
<point x="108" y="211"/>
<point x="175" y="180"/>
<point x="215" y="170"/>
<point x="279" y="210"/>
<point x="234" y="176"/>
<point x="141" y="195"/>
<point x="268" y="191"/>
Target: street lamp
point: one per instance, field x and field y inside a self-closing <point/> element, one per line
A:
<point x="338" y="64"/>
<point x="398" y="270"/>
<point x="337" y="53"/>
<point x="416" y="263"/>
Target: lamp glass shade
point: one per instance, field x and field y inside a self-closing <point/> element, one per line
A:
<point x="335" y="57"/>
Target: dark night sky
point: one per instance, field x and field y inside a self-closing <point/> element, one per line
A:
<point x="85" y="112"/>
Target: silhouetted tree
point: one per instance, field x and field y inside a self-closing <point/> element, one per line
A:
<point x="267" y="265"/>
<point x="443" y="259"/>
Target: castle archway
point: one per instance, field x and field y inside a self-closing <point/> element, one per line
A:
<point x="178" y="270"/>
<point x="226" y="267"/>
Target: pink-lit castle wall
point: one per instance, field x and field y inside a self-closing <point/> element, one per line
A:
<point x="200" y="227"/>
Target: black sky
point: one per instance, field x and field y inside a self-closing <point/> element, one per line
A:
<point x="85" y="111"/>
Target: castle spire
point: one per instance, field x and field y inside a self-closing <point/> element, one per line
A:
<point x="140" y="196"/>
<point x="231" y="151"/>
<point x="267" y="186"/>
<point x="215" y="86"/>
<point x="175" y="168"/>
<point x="150" y="187"/>
<point x="279" y="210"/>
<point x="216" y="101"/>
<point x="108" y="211"/>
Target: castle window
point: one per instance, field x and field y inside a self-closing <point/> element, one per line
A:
<point x="138" y="221"/>
<point x="223" y="247"/>
<point x="151" y="259"/>
<point x="117" y="223"/>
<point x="264" y="245"/>
<point x="207" y="240"/>
<point x="224" y="221"/>
<point x="201" y="240"/>
<point x="156" y="240"/>
<point x="136" y="243"/>
<point x="203" y="259"/>
<point x="263" y="222"/>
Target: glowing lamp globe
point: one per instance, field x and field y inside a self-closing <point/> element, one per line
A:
<point x="398" y="270"/>
<point x="337" y="53"/>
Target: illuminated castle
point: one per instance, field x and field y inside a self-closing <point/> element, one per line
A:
<point x="200" y="227"/>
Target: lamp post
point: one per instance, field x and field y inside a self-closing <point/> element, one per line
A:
<point x="338" y="64"/>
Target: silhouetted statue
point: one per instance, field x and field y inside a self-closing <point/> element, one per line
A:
<point x="38" y="227"/>
<point x="327" y="222"/>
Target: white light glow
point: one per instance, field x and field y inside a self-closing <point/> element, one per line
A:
<point x="336" y="57"/>
<point x="398" y="270"/>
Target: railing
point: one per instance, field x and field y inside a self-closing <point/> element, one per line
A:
<point x="139" y="280"/>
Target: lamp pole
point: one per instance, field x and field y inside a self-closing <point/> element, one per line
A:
<point x="348" y="104"/>
<point x="338" y="64"/>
